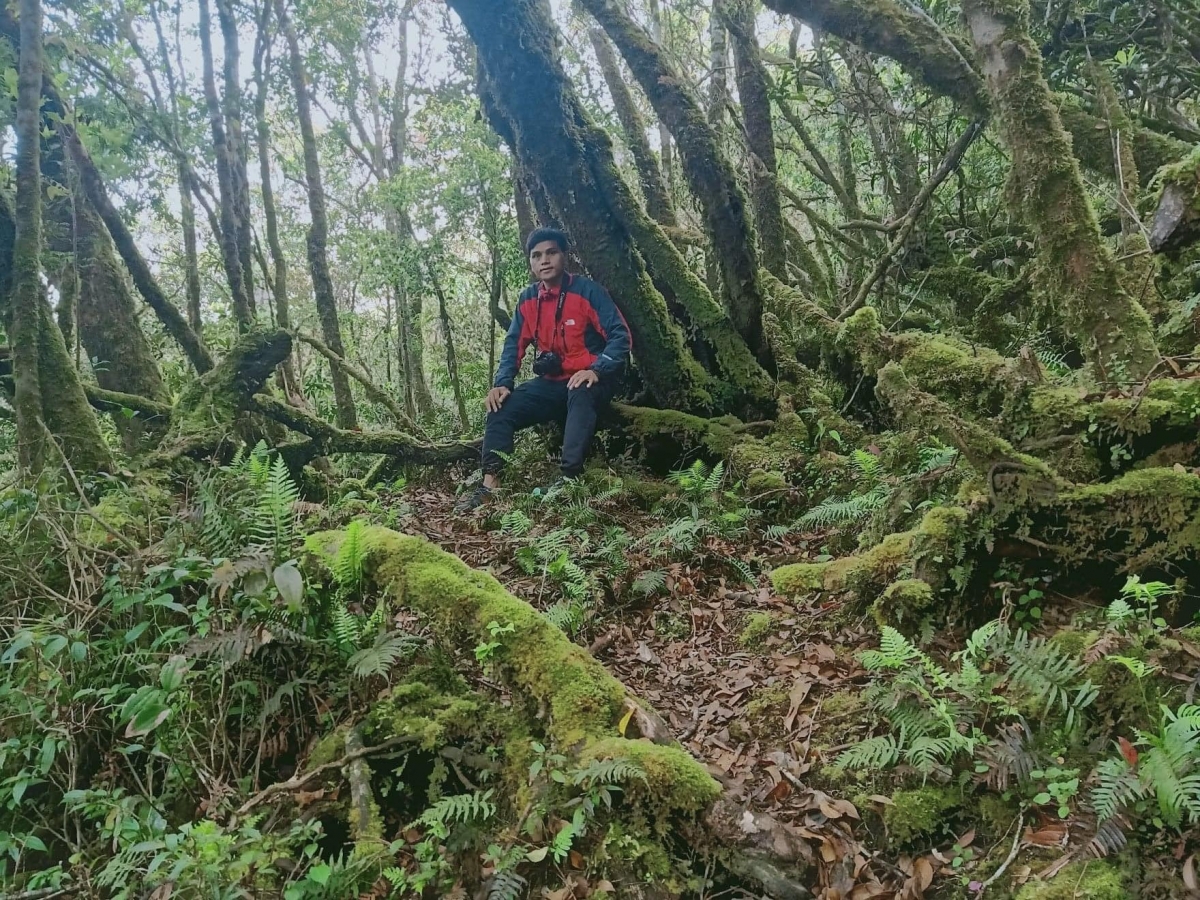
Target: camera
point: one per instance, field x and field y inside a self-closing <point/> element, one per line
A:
<point x="547" y="363"/>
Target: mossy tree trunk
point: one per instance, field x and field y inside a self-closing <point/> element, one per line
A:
<point x="318" y="232"/>
<point x="228" y="236"/>
<point x="706" y="168"/>
<point x="556" y="120"/>
<point x="24" y="321"/>
<point x="633" y="127"/>
<point x="109" y="326"/>
<point x="64" y="408"/>
<point x="1076" y="268"/>
<point x="760" y="133"/>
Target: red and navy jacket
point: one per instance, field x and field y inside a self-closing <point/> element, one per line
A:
<point x="591" y="333"/>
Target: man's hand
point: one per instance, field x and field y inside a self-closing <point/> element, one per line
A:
<point x="582" y="378"/>
<point x="495" y="398"/>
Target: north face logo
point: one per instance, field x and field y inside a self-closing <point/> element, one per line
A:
<point x="570" y="321"/>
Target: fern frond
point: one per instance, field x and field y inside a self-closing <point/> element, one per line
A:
<point x="1117" y="785"/>
<point x="506" y="886"/>
<point x="874" y="753"/>
<point x="515" y="523"/>
<point x="617" y="770"/>
<point x="346" y="627"/>
<point x="348" y="562"/>
<point x="844" y="510"/>
<point x="380" y="657"/>
<point x="650" y="582"/>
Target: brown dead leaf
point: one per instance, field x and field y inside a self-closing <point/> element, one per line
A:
<point x="304" y="798"/>
<point x="1051" y="835"/>
<point x="967" y="839"/>
<point x="604" y="886"/>
<point x="1189" y="874"/>
<point x="879" y="798"/>
<point x="836" y="808"/>
<point x="162" y="892"/>
<point x="923" y="873"/>
<point x="575" y="858"/>
<point x="798" y="695"/>
<point x="780" y="792"/>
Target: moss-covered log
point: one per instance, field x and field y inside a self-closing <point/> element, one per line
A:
<point x="571" y="699"/>
<point x="554" y="117"/>
<point x="709" y="173"/>
<point x="326" y="438"/>
<point x="1075" y="267"/>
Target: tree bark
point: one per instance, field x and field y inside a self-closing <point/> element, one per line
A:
<point x="24" y="319"/>
<point x="187" y="207"/>
<point x="760" y="134"/>
<point x="654" y="189"/>
<point x="1075" y="266"/>
<point x="279" y="270"/>
<point x="319" y="229"/>
<point x="579" y="195"/>
<point x="228" y="236"/>
<point x="708" y="171"/>
<point x="238" y="147"/>
<point x="109" y="326"/>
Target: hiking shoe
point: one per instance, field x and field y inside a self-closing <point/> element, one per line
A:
<point x="474" y="499"/>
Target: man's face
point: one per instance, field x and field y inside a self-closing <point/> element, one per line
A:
<point x="547" y="261"/>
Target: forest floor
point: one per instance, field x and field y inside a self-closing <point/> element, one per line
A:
<point x="766" y="691"/>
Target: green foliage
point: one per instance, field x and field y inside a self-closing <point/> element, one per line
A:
<point x="458" y="809"/>
<point x="1165" y="769"/>
<point x="938" y="715"/>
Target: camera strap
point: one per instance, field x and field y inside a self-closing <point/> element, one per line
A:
<point x="537" y="322"/>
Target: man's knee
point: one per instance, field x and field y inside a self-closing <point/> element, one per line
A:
<point x="585" y="396"/>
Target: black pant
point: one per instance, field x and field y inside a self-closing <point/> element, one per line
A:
<point x="541" y="400"/>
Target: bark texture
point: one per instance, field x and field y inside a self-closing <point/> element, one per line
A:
<point x="24" y="321"/>
<point x="1076" y="269"/>
<point x="706" y="168"/>
<point x="318" y="232"/>
<point x="654" y="188"/>
<point x="760" y="134"/>
<point x="556" y="119"/>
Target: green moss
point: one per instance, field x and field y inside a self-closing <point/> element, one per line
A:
<point x="904" y="604"/>
<point x="799" y="579"/>
<point x="129" y="512"/>
<point x="1094" y="879"/>
<point x="919" y="816"/>
<point x="674" y="780"/>
<point x="766" y="482"/>
<point x="1147" y="517"/>
<point x="582" y="702"/>
<point x="1073" y="642"/>
<point x="759" y="626"/>
<point x="328" y="748"/>
<point x="996" y="815"/>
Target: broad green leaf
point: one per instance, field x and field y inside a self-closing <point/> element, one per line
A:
<point x="290" y="584"/>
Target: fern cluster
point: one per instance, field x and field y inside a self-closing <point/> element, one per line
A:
<point x="1165" y="769"/>
<point x="938" y="715"/>
<point x="457" y="809"/>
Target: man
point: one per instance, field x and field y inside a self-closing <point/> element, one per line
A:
<point x="581" y="345"/>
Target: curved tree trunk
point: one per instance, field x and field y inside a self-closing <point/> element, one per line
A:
<point x="654" y="189"/>
<point x="1076" y="267"/>
<point x="318" y="232"/>
<point x="708" y="171"/>
<point x="760" y="134"/>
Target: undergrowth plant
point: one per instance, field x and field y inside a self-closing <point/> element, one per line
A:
<point x="941" y="716"/>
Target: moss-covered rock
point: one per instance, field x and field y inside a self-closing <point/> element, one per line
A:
<point x="919" y="816"/>
<point x="759" y="626"/>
